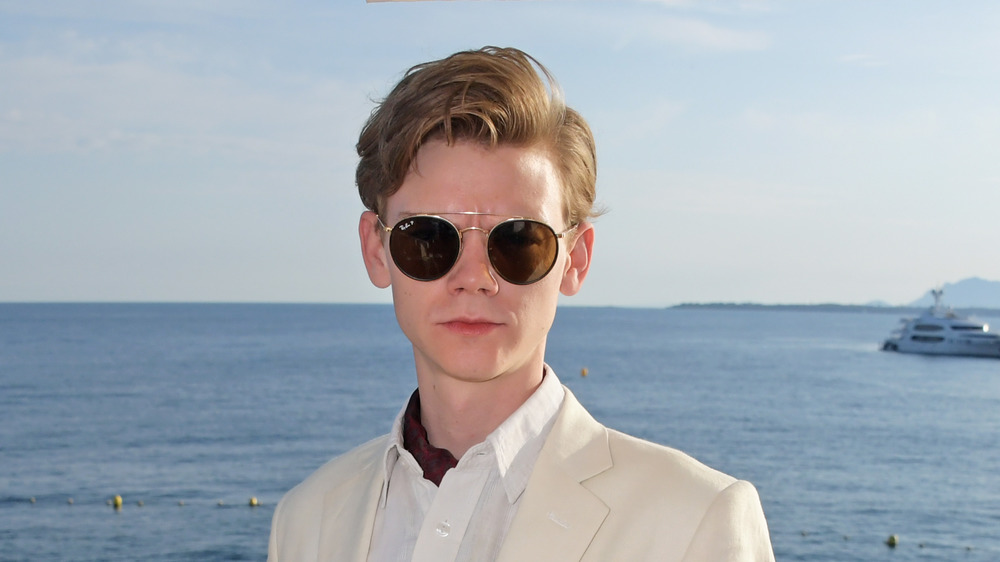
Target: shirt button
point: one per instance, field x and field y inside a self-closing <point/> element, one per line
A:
<point x="443" y="529"/>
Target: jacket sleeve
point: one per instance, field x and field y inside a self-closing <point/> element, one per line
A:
<point x="733" y="529"/>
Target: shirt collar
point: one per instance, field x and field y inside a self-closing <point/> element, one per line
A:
<point x="519" y="438"/>
<point x="516" y="443"/>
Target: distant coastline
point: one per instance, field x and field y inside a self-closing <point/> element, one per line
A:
<point x="897" y="310"/>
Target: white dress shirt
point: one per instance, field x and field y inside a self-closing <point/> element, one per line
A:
<point x="468" y="516"/>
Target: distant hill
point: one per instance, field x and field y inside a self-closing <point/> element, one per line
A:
<point x="971" y="296"/>
<point x="967" y="293"/>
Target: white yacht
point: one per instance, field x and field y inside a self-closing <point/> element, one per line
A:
<point x="939" y="331"/>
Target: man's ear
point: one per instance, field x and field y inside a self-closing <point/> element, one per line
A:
<point x="373" y="250"/>
<point x="580" y="255"/>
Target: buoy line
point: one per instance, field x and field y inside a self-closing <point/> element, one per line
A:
<point x="894" y="541"/>
<point x="118" y="502"/>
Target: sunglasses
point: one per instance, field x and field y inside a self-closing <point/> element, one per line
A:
<point x="426" y="247"/>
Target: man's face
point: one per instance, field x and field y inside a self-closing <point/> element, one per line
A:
<point x="471" y="324"/>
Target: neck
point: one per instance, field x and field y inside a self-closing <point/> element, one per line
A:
<point x="459" y="414"/>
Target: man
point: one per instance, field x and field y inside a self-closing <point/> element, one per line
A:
<point x="480" y="185"/>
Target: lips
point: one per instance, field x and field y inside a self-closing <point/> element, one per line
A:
<point x="470" y="326"/>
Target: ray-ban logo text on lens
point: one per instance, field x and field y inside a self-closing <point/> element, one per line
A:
<point x="404" y="226"/>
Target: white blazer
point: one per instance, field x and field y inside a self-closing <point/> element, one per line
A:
<point x="595" y="495"/>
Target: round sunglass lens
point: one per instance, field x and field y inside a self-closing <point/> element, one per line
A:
<point x="424" y="248"/>
<point x="522" y="251"/>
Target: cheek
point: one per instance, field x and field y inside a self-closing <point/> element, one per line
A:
<point x="406" y="300"/>
<point x="537" y="307"/>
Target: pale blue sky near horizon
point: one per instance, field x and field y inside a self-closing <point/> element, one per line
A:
<point x="749" y="151"/>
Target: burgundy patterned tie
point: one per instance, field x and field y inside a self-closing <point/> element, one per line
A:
<point x="435" y="462"/>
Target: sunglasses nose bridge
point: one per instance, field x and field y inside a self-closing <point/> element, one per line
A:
<point x="461" y="250"/>
<point x="461" y="236"/>
<point x="462" y="231"/>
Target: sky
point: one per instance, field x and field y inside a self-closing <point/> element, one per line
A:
<point x="822" y="151"/>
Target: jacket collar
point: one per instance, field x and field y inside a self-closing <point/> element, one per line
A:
<point x="360" y="496"/>
<point x="559" y="516"/>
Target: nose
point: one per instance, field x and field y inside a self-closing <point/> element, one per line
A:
<point x="473" y="271"/>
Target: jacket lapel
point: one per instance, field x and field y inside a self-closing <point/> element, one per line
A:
<point x="559" y="516"/>
<point x="349" y="514"/>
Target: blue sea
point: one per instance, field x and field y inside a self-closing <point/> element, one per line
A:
<point x="189" y="410"/>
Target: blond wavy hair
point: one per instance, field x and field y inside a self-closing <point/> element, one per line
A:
<point x="494" y="96"/>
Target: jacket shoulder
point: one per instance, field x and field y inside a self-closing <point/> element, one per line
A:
<point x="664" y="466"/>
<point x="350" y="481"/>
<point x="694" y="508"/>
<point x="339" y="470"/>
